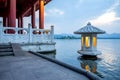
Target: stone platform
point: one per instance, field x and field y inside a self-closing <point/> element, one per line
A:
<point x="34" y="68"/>
<point x="23" y="65"/>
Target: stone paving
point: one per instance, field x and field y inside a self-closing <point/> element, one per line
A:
<point x="31" y="67"/>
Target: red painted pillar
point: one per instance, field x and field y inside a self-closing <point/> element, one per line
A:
<point x="5" y="21"/>
<point x="41" y="14"/>
<point x="33" y="16"/>
<point x="22" y="21"/>
<point x="20" y="24"/>
<point x="12" y="13"/>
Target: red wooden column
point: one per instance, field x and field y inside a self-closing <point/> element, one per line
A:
<point x="12" y="13"/>
<point x="4" y="21"/>
<point x="41" y="14"/>
<point x="20" y="23"/>
<point x="33" y="16"/>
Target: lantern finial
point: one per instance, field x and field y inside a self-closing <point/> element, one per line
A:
<point x="88" y="23"/>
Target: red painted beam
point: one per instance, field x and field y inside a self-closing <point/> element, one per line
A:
<point x="3" y="3"/>
<point x="45" y="2"/>
<point x="27" y="12"/>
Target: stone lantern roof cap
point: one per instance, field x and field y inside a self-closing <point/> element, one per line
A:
<point x="89" y="29"/>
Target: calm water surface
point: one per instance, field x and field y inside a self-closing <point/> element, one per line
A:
<point x="108" y="64"/>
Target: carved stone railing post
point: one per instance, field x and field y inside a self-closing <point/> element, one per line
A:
<point x="16" y="35"/>
<point x="0" y="23"/>
<point x="52" y="33"/>
<point x="0" y="30"/>
<point x="30" y="32"/>
<point x="42" y="36"/>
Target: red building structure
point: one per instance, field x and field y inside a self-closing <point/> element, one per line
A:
<point x="11" y="10"/>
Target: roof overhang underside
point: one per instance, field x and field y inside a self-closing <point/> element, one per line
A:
<point x="23" y="7"/>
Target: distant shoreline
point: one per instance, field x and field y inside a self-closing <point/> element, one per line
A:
<point x="80" y="38"/>
<point x="74" y="36"/>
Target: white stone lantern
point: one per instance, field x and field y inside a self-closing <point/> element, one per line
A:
<point x="89" y="40"/>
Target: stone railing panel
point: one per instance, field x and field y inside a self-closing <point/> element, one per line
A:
<point x="26" y="35"/>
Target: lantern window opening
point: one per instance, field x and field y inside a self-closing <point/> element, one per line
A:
<point x="87" y="41"/>
<point x="94" y="41"/>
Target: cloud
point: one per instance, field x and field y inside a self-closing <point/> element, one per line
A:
<point x="54" y="12"/>
<point x="51" y="12"/>
<point x="105" y="18"/>
<point x="114" y="6"/>
<point x="108" y="17"/>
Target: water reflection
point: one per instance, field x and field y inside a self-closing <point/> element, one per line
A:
<point x="90" y="65"/>
<point x="51" y="55"/>
<point x="108" y="66"/>
<point x="87" y="64"/>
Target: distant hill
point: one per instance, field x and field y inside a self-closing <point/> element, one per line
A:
<point x="109" y="36"/>
<point x="67" y="36"/>
<point x="75" y="36"/>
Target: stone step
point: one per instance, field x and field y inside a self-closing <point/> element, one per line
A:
<point x="4" y="44"/>
<point x="6" y="50"/>
<point x="6" y="53"/>
<point x="5" y="47"/>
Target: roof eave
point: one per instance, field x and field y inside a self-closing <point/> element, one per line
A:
<point x="89" y="32"/>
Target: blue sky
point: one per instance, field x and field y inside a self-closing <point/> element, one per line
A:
<point x="68" y="16"/>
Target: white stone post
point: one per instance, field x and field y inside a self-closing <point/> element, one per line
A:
<point x="82" y="42"/>
<point x="52" y="33"/>
<point x="16" y="35"/>
<point x="30" y="33"/>
<point x="0" y="23"/>
<point x="1" y="30"/>
<point x="42" y="36"/>
<point x="91" y="41"/>
<point x="96" y="42"/>
<point x="83" y="47"/>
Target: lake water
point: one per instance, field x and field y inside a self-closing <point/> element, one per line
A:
<point x="108" y="64"/>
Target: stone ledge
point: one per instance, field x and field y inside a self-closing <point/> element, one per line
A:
<point x="90" y="75"/>
<point x="53" y="43"/>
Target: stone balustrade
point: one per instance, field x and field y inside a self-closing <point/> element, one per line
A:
<point x="26" y="35"/>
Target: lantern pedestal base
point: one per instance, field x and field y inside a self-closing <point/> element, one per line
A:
<point x="89" y="53"/>
<point x="92" y="55"/>
<point x="86" y="57"/>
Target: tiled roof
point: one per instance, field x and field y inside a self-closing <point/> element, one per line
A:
<point x="89" y="29"/>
